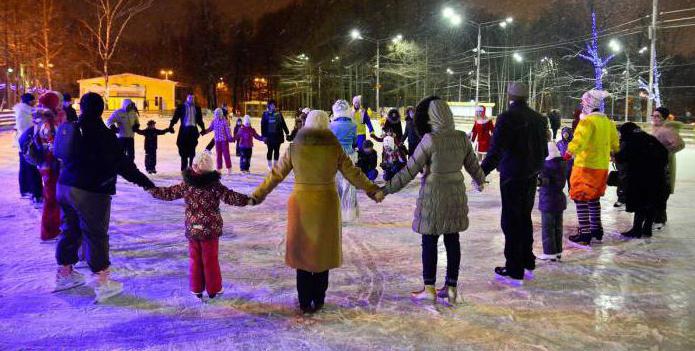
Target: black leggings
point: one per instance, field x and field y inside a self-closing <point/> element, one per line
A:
<point x="429" y="258"/>
<point x="273" y="152"/>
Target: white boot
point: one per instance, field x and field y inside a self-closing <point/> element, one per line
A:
<point x="427" y="293"/>
<point x="104" y="287"/>
<point x="68" y="278"/>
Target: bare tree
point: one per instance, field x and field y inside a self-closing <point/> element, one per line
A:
<point x="112" y="17"/>
<point x="49" y="45"/>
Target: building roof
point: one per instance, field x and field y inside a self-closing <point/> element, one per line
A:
<point x="127" y="75"/>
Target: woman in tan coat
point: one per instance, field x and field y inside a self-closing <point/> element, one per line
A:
<point x="313" y="209"/>
<point x="442" y="205"/>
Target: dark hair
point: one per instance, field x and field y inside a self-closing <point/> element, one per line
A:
<point x="151" y="122"/>
<point x="628" y="129"/>
<point x="422" y="116"/>
<point x="664" y="112"/>
<point x="394" y="112"/>
<point x="271" y="102"/>
<point x="92" y="105"/>
<point x="27" y="98"/>
<point x="67" y="97"/>
<point x="367" y="143"/>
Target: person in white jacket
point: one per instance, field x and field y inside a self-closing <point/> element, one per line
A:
<point x="124" y="121"/>
<point x="29" y="177"/>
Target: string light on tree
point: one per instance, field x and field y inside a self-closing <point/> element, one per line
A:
<point x="594" y="57"/>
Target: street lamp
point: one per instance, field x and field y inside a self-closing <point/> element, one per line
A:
<point x="356" y="35"/>
<point x="517" y="57"/>
<point x="166" y="73"/>
<point x="455" y="20"/>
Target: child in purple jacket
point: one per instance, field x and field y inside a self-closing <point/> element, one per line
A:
<point x="244" y="139"/>
<point x="552" y="202"/>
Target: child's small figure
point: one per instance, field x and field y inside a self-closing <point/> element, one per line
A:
<point x="202" y="192"/>
<point x="223" y="136"/>
<point x="552" y="202"/>
<point x="562" y="145"/>
<point x="244" y="139"/>
<point x="392" y="158"/>
<point x="367" y="159"/>
<point x="238" y="125"/>
<point x="151" y="134"/>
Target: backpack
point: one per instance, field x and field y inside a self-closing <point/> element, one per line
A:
<point x="30" y="149"/>
<point x="67" y="141"/>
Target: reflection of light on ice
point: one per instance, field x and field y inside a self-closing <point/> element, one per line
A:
<point x="621" y="295"/>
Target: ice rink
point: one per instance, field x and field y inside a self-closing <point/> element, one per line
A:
<point x="621" y="295"/>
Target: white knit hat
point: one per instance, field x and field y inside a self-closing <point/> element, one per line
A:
<point x="592" y="100"/>
<point x="306" y="110"/>
<point x="357" y="100"/>
<point x="341" y="108"/>
<point x="218" y="112"/>
<point x="316" y="119"/>
<point x="203" y="162"/>
<point x="553" y="151"/>
<point x="247" y="120"/>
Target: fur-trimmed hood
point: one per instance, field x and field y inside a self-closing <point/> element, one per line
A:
<point x="200" y="180"/>
<point x="313" y="136"/>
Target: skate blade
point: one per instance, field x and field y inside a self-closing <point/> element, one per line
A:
<point x="102" y="299"/>
<point x="64" y="288"/>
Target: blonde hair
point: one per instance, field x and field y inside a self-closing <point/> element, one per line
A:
<point x="316" y="119"/>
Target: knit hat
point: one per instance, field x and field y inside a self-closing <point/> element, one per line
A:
<point x="317" y="119"/>
<point x="218" y="112"/>
<point x="553" y="151"/>
<point x="341" y="108"/>
<point x="247" y="120"/>
<point x="592" y="100"/>
<point x="517" y="89"/>
<point x="203" y="162"/>
<point x="50" y="100"/>
<point x="357" y="100"/>
<point x="306" y="110"/>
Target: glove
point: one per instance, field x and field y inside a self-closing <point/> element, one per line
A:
<point x="567" y="156"/>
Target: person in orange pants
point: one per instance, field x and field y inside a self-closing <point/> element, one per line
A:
<point x="595" y="138"/>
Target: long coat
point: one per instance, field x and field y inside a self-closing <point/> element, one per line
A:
<point x="314" y="226"/>
<point x="669" y="137"/>
<point x="187" y="137"/>
<point x="645" y="161"/>
<point x="442" y="205"/>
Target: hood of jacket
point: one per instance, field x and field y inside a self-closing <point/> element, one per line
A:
<point x="197" y="180"/>
<point x="126" y="103"/>
<point x="441" y="117"/>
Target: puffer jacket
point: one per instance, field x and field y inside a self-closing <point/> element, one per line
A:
<point x="202" y="194"/>
<point x="123" y="120"/>
<point x="442" y="204"/>
<point x="552" y="179"/>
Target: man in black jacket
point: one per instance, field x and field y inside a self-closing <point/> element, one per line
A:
<point x="85" y="185"/>
<point x="517" y="151"/>
<point x="191" y="117"/>
<point x="274" y="131"/>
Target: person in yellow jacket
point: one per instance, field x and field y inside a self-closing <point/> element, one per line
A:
<point x="595" y="138"/>
<point x="362" y="119"/>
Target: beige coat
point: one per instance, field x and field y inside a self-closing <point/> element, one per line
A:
<point x="669" y="136"/>
<point x="442" y="205"/>
<point x="313" y="210"/>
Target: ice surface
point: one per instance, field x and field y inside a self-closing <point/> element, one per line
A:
<point x="622" y="295"/>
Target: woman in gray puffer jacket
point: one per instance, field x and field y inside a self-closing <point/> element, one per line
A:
<point x="442" y="205"/>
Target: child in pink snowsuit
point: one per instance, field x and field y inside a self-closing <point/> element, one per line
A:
<point x="244" y="139"/>
<point x="223" y="136"/>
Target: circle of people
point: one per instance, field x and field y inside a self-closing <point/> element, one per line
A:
<point x="69" y="166"/>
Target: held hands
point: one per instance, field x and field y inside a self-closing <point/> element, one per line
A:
<point x="479" y="187"/>
<point x="377" y="196"/>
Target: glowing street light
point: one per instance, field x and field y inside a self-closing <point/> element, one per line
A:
<point x="397" y="39"/>
<point x="614" y="45"/>
<point x="517" y="57"/>
<point x="449" y="71"/>
<point x="643" y="50"/>
<point x="448" y="12"/>
<point x="10" y="70"/>
<point x="355" y="34"/>
<point x="166" y="73"/>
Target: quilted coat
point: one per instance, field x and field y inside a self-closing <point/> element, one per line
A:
<point x="442" y="205"/>
<point x="202" y="194"/>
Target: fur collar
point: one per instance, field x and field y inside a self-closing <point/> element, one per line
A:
<point x="311" y="136"/>
<point x="200" y="180"/>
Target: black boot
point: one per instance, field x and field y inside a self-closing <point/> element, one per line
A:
<point x="582" y="239"/>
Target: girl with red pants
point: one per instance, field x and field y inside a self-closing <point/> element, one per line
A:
<point x="202" y="192"/>
<point x="49" y="169"/>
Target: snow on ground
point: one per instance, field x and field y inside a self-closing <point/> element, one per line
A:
<point x="622" y="295"/>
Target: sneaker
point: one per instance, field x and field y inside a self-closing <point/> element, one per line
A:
<point x="528" y="274"/>
<point x="68" y="278"/>
<point x="618" y="204"/>
<point x="579" y="241"/>
<point x="104" y="287"/>
<point x="502" y="275"/>
<point x="546" y="257"/>
<point x="427" y="293"/>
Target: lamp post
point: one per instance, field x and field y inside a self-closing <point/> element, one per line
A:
<point x="356" y="35"/>
<point x="455" y="19"/>
<point x="616" y="47"/>
<point x="166" y="73"/>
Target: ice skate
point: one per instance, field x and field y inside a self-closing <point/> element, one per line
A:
<point x="270" y="166"/>
<point x="502" y="275"/>
<point x="427" y="293"/>
<point x="632" y="233"/>
<point x="579" y="241"/>
<point x="68" y="278"/>
<point x="450" y="293"/>
<point x="104" y="287"/>
<point x="597" y="235"/>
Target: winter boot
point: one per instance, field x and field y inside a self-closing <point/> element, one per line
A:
<point x="597" y="234"/>
<point x="427" y="293"/>
<point x="68" y="278"/>
<point x="581" y="240"/>
<point x="104" y="287"/>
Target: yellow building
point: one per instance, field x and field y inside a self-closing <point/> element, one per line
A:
<point x="148" y="93"/>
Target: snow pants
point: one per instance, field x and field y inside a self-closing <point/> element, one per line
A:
<point x="204" y="266"/>
<point x="518" y="196"/>
<point x="50" y="218"/>
<point x="222" y="151"/>
<point x="245" y="154"/>
<point x="429" y="258"/>
<point x="85" y="216"/>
